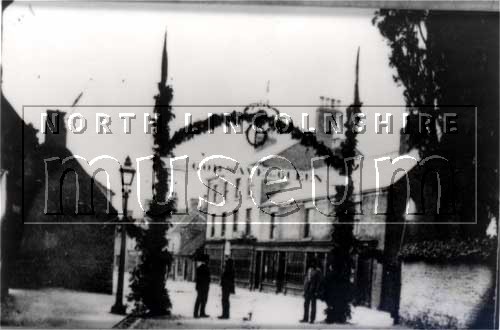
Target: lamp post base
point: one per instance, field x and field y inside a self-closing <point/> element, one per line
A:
<point x="119" y="309"/>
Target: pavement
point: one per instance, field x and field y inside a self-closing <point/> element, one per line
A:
<point x="58" y="308"/>
<point x="268" y="310"/>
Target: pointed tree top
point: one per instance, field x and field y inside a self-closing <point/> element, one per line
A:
<point x="356" y="84"/>
<point x="164" y="61"/>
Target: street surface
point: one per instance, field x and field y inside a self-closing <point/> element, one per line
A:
<point x="58" y="308"/>
<point x="268" y="310"/>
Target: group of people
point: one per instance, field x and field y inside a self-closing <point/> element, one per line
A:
<point x="314" y="288"/>
<point x="203" y="285"/>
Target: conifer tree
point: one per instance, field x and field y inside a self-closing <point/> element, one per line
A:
<point x="148" y="282"/>
<point x="343" y="240"/>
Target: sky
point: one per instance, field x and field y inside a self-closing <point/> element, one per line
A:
<point x="218" y="55"/>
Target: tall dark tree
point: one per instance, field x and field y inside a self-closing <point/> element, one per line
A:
<point x="344" y="242"/>
<point x="448" y="63"/>
<point x="148" y="282"/>
<point x="406" y="34"/>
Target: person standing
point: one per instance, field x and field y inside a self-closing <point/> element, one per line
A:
<point x="202" y="287"/>
<point x="227" y="286"/>
<point x="312" y="284"/>
<point x="329" y="293"/>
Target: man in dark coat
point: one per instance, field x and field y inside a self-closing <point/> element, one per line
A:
<point x="312" y="285"/>
<point x="329" y="293"/>
<point x="202" y="286"/>
<point x="227" y="287"/>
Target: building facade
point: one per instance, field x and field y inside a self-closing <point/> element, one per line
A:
<point x="55" y="246"/>
<point x="271" y="242"/>
<point x="186" y="240"/>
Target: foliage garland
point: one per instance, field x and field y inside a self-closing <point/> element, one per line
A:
<point x="148" y="282"/>
<point x="148" y="279"/>
<point x="343" y="240"/>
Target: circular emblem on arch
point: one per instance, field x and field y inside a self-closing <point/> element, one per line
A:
<point x="257" y="132"/>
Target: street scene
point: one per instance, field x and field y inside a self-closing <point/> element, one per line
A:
<point x="222" y="165"/>
<point x="251" y="309"/>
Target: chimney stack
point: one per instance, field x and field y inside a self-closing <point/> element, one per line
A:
<point x="326" y="115"/>
<point x="55" y="129"/>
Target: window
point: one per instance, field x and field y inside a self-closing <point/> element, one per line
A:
<point x="208" y="192"/>
<point x="223" y="225"/>
<point x="249" y="186"/>
<point x="242" y="264"/>
<point x="215" y="264"/>
<point x="237" y="188"/>
<point x="225" y="190"/>
<point x="295" y="267"/>
<point x="215" y="193"/>
<point x="235" y="221"/>
<point x="307" y="222"/>
<point x="270" y="266"/>
<point x="248" y="221"/>
<point x="212" y="229"/>
<point x="272" y="226"/>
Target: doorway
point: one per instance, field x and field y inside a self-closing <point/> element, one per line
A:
<point x="280" y="277"/>
<point x="364" y="272"/>
<point x="256" y="280"/>
<point x="185" y="270"/>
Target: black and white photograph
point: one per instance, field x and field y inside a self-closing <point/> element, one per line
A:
<point x="221" y="164"/>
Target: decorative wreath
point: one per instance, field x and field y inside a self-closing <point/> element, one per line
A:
<point x="260" y="112"/>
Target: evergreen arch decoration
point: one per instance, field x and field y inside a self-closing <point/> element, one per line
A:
<point x="343" y="240"/>
<point x="266" y="121"/>
<point x="152" y="241"/>
<point x="148" y="279"/>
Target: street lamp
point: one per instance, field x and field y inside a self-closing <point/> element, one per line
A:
<point x="127" y="173"/>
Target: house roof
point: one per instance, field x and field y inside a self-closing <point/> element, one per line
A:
<point x="280" y="143"/>
<point x="190" y="247"/>
<point x="34" y="155"/>
<point x="383" y="170"/>
<point x="298" y="155"/>
<point x="192" y="230"/>
<point x="103" y="188"/>
<point x="102" y="205"/>
<point x="180" y="221"/>
<point x="377" y="172"/>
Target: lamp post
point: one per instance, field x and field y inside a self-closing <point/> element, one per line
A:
<point x="127" y="173"/>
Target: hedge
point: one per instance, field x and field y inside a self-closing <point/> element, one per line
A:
<point x="453" y="250"/>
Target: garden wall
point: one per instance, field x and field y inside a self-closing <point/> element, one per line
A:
<point x="443" y="296"/>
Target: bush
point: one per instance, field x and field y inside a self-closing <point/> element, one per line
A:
<point x="472" y="250"/>
<point x="429" y="320"/>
